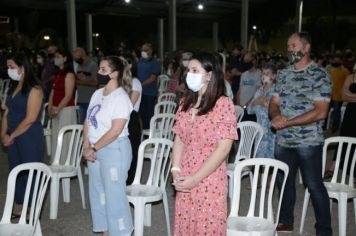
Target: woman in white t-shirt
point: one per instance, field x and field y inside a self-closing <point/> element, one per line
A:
<point x="135" y="124"/>
<point x="108" y="151"/>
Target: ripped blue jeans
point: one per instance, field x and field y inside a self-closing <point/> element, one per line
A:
<point x="110" y="209"/>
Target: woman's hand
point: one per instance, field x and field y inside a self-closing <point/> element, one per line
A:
<point x="7" y="140"/>
<point x="185" y="183"/>
<point x="88" y="153"/>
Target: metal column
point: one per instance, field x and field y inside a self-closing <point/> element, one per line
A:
<point x="299" y="16"/>
<point x="215" y="36"/>
<point x="172" y="26"/>
<point x="244" y="23"/>
<point x="71" y="24"/>
<point x="161" y="38"/>
<point x="89" y="32"/>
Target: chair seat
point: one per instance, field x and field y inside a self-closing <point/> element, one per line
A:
<point x="249" y="224"/>
<point x="15" y="229"/>
<point x="60" y="169"/>
<point x="146" y="132"/>
<point x="151" y="193"/>
<point x="335" y="189"/>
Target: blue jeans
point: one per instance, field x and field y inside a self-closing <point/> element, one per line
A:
<point x="147" y="108"/>
<point x="110" y="209"/>
<point x="309" y="160"/>
<point x="83" y="107"/>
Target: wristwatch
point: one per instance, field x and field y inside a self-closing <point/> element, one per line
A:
<point x="92" y="146"/>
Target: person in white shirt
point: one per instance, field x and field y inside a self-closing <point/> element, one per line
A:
<point x="108" y="151"/>
<point x="135" y="124"/>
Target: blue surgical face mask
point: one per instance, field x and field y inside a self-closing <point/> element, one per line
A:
<point x="195" y="81"/>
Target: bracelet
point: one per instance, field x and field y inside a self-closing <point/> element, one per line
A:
<point x="175" y="168"/>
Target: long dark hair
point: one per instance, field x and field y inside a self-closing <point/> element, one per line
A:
<point x="68" y="64"/>
<point x="216" y="85"/>
<point x="29" y="80"/>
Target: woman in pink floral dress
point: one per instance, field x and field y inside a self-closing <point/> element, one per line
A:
<point x="205" y="129"/>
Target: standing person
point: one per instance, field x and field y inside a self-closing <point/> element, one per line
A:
<point x="205" y="129"/>
<point x="21" y="129"/>
<point x="85" y="79"/>
<point x="338" y="74"/>
<point x="249" y="83"/>
<point x="297" y="109"/>
<point x="237" y="67"/>
<point x="259" y="106"/>
<point x="135" y="124"/>
<point x="108" y="151"/>
<point x="61" y="99"/>
<point x="148" y="68"/>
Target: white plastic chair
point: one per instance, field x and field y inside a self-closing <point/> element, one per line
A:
<point x="260" y="218"/>
<point x="239" y="113"/>
<point x="339" y="187"/>
<point x="39" y="175"/>
<point x="329" y="120"/>
<point x="162" y="83"/>
<point x="47" y="130"/>
<point x="5" y="83"/>
<point x="140" y="194"/>
<point x="69" y="169"/>
<point x="167" y="97"/>
<point x="251" y="134"/>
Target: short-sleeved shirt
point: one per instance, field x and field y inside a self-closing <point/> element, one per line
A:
<point x="146" y="68"/>
<point x="249" y="83"/>
<point x="137" y="87"/>
<point x="103" y="110"/>
<point x="90" y="68"/>
<point x="297" y="91"/>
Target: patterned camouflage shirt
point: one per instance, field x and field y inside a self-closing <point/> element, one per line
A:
<point x="297" y="90"/>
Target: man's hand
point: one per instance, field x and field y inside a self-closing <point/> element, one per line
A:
<point x="279" y="122"/>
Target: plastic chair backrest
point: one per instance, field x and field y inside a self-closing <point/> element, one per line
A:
<point x="162" y="81"/>
<point x="43" y="117"/>
<point x="171" y="97"/>
<point x="239" y="113"/>
<point x="161" y="126"/>
<point x="39" y="175"/>
<point x="160" y="162"/>
<point x="3" y="92"/>
<point x="261" y="204"/>
<point x="73" y="156"/>
<point x="251" y="134"/>
<point x="345" y="151"/>
<point x="165" y="107"/>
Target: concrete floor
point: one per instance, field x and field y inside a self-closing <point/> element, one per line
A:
<point x="73" y="220"/>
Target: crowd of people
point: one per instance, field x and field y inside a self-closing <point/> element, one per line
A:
<point x="289" y="96"/>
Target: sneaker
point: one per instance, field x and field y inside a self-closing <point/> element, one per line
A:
<point x="285" y="228"/>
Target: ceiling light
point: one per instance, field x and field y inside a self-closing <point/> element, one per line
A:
<point x="46" y="37"/>
<point x="254" y="27"/>
<point x="200" y="6"/>
<point x="127" y="1"/>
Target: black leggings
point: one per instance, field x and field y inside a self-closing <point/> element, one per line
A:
<point x="135" y="130"/>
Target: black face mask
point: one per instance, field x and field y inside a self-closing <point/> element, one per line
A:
<point x="79" y="61"/>
<point x="248" y="65"/>
<point x="348" y="55"/>
<point x="103" y="79"/>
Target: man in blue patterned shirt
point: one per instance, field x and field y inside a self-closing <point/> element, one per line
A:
<point x="298" y="108"/>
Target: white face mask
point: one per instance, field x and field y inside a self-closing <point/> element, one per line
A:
<point x="58" y="61"/>
<point x="266" y="79"/>
<point x="185" y="63"/>
<point x="144" y="54"/>
<point x="40" y="60"/>
<point x="13" y="74"/>
<point x="194" y="81"/>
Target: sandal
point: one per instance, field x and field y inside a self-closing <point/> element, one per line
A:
<point x="328" y="174"/>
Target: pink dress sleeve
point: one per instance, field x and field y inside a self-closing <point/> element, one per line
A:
<point x="226" y="119"/>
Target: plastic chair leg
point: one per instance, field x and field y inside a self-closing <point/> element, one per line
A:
<point x="38" y="231"/>
<point x="81" y="187"/>
<point x="342" y="214"/>
<point x="166" y="210"/>
<point x="355" y="208"/>
<point x="304" y="211"/>
<point x="48" y="145"/>
<point x="139" y="215"/>
<point x="66" y="189"/>
<point x="231" y="186"/>
<point x="147" y="220"/>
<point x="300" y="177"/>
<point x="54" y="197"/>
